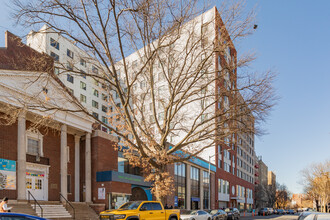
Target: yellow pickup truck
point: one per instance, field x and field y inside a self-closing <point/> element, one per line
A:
<point x="141" y="210"/>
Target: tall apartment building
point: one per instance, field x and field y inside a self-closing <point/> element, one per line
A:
<point x="235" y="156"/>
<point x="89" y="90"/>
<point x="262" y="188"/>
<point x="271" y="179"/>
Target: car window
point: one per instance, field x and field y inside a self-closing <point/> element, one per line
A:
<point x="156" y="206"/>
<point x="146" y="207"/>
<point x="201" y="213"/>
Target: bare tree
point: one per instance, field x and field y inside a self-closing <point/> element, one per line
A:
<point x="160" y="60"/>
<point x="282" y="196"/>
<point x="316" y="182"/>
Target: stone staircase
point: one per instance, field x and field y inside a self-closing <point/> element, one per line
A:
<point x="55" y="210"/>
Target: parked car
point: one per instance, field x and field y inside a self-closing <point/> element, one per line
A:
<point x="304" y="214"/>
<point x="281" y="212"/>
<point x="291" y="211"/>
<point x="271" y="211"/>
<point x="275" y="211"/>
<point x="218" y="214"/>
<point x="142" y="210"/>
<point x="263" y="211"/>
<point x="18" y="216"/>
<point x="232" y="213"/>
<point x="195" y="215"/>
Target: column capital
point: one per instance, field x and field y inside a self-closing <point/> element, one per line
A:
<point x="88" y="135"/>
<point x="22" y="114"/>
<point x="64" y="127"/>
<point x="77" y="138"/>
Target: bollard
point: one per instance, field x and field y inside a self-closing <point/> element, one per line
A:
<point x="263" y="213"/>
<point x="244" y="213"/>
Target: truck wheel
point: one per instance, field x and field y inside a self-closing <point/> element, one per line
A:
<point x="173" y="218"/>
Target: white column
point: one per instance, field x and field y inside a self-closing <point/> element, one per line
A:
<point x="64" y="162"/>
<point x="77" y="168"/>
<point x="21" y="157"/>
<point x="201" y="189"/>
<point x="188" y="189"/>
<point x="88" y="169"/>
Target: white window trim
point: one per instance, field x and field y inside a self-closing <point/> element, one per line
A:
<point x="36" y="135"/>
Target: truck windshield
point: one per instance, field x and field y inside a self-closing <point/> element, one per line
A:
<point x="130" y="205"/>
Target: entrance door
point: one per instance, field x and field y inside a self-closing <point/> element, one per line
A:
<point x="35" y="185"/>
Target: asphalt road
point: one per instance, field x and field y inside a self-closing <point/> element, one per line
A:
<point x="277" y="217"/>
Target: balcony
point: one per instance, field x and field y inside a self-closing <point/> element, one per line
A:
<point x="39" y="160"/>
<point x="256" y="182"/>
<point x="256" y="166"/>
<point x="256" y="174"/>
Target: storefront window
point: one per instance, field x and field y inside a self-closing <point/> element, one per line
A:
<point x="125" y="167"/>
<point x="206" y="181"/>
<point x="117" y="199"/>
<point x="195" y="187"/>
<point x="180" y="185"/>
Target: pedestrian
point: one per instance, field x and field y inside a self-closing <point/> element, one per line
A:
<point x="166" y="207"/>
<point x="171" y="207"/>
<point x="3" y="205"/>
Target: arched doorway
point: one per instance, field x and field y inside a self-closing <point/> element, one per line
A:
<point x="138" y="194"/>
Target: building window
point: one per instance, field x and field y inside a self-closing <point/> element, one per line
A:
<point x="206" y="189"/>
<point x="55" y="56"/>
<point x="104" y="120"/>
<point x="95" y="92"/>
<point x="180" y="185"/>
<point x="104" y="97"/>
<point x="69" y="184"/>
<point x="95" y="70"/>
<point x="69" y="66"/>
<point x="33" y="146"/>
<point x="56" y="71"/>
<point x="95" y="115"/>
<point x="83" y="74"/>
<point x="142" y="84"/>
<point x="70" y="91"/>
<point x="104" y="108"/>
<point x="34" y="143"/>
<point x="82" y="62"/>
<point x="69" y="78"/>
<point x="95" y="104"/>
<point x="83" y="85"/>
<point x="54" y="43"/>
<point x="69" y="53"/>
<point x="195" y="187"/>
<point x="83" y="98"/>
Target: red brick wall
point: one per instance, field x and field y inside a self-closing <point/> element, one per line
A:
<point x="105" y="158"/>
<point x="170" y="198"/>
<point x="51" y="150"/>
<point x="8" y="150"/>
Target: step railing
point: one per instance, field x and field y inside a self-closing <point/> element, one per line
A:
<point x="35" y="203"/>
<point x="66" y="206"/>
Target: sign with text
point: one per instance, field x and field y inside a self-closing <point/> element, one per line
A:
<point x="101" y="193"/>
<point x="7" y="174"/>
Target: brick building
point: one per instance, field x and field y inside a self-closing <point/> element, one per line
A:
<point x="62" y="154"/>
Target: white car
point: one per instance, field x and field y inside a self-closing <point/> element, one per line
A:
<point x="318" y="216"/>
<point x="195" y="215"/>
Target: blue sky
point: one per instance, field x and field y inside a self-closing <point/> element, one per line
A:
<point x="293" y="38"/>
